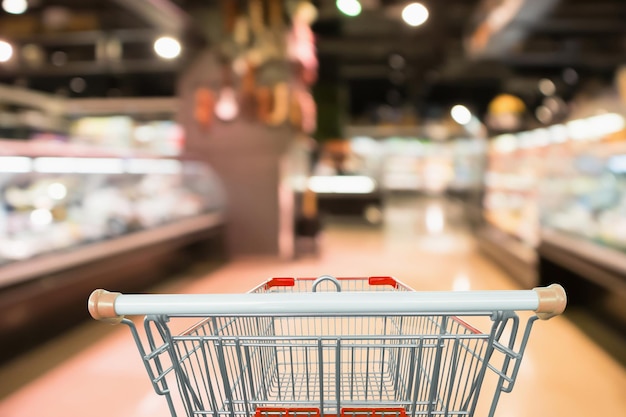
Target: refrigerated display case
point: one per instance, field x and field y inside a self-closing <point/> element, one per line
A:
<point x="559" y="192"/>
<point x="583" y="190"/>
<point x="417" y="165"/>
<point x="94" y="191"/>
<point x="510" y="202"/>
<point x="73" y="216"/>
<point x="345" y="180"/>
<point x="582" y="200"/>
<point x="403" y="164"/>
<point x="155" y="135"/>
<point x="56" y="206"/>
<point x="469" y="155"/>
<point x="422" y="165"/>
<point x="510" y="209"/>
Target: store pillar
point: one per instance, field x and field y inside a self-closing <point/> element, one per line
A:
<point x="250" y="158"/>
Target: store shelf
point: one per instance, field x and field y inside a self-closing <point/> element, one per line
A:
<point x="11" y="147"/>
<point x="126" y="105"/>
<point x="383" y="131"/>
<point x="515" y="257"/>
<point x="54" y="261"/>
<point x="602" y="265"/>
<point x="56" y="105"/>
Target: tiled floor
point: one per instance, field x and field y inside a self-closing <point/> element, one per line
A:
<point x="97" y="370"/>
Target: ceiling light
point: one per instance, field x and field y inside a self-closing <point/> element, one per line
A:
<point x="461" y="114"/>
<point x="397" y="77"/>
<point x="396" y="61"/>
<point x="58" y="58"/>
<point x="415" y="14"/>
<point x="547" y="87"/>
<point x="15" y="6"/>
<point x="349" y="7"/>
<point x="56" y="17"/>
<point x="570" y="76"/>
<point x="78" y="84"/>
<point x="544" y="114"/>
<point x="33" y="55"/>
<point x="167" y="47"/>
<point x="6" y="51"/>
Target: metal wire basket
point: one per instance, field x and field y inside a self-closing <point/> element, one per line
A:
<point x="354" y="347"/>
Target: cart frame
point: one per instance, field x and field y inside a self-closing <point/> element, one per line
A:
<point x="366" y="347"/>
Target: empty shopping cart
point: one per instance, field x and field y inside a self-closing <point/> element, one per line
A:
<point x="344" y="347"/>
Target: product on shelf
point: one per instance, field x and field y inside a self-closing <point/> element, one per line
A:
<point x="112" y="131"/>
<point x="568" y="177"/>
<point x="74" y="202"/>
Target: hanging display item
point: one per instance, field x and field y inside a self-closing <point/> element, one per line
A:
<point x="308" y="109"/>
<point x="280" y="109"/>
<point x="301" y="41"/>
<point x="247" y="95"/>
<point x="227" y="106"/>
<point x="268" y="105"/>
<point x="255" y="41"/>
<point x="264" y="100"/>
<point x="204" y="105"/>
<point x="266" y="42"/>
<point x="295" y="111"/>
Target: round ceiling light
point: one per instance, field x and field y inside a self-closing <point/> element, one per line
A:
<point x="6" y="51"/>
<point x="15" y="6"/>
<point x="461" y="114"/>
<point x="570" y="76"/>
<point x="167" y="47"/>
<point x="547" y="87"/>
<point x="78" y="84"/>
<point x="415" y="14"/>
<point x="349" y="7"/>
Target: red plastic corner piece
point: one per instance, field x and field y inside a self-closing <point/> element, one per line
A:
<point x="287" y="412"/>
<point x="280" y="282"/>
<point x="373" y="412"/>
<point x="383" y="281"/>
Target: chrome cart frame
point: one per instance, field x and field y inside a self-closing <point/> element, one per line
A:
<point x="353" y="347"/>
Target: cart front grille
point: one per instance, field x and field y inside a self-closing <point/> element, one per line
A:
<point x="234" y="366"/>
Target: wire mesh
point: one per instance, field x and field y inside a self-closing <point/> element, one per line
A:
<point x="232" y="365"/>
<point x="357" y="366"/>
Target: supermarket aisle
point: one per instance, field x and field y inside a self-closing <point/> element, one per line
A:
<point x="424" y="244"/>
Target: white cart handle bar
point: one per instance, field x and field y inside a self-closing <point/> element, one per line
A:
<point x="546" y="302"/>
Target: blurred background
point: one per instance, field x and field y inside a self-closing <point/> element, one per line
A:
<point x="205" y="145"/>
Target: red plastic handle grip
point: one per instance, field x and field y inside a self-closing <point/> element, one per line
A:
<point x="383" y="281"/>
<point x="280" y="282"/>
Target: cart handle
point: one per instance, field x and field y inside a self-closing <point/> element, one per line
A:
<point x="552" y="301"/>
<point x="101" y="306"/>
<point x="323" y="278"/>
<point x="546" y="302"/>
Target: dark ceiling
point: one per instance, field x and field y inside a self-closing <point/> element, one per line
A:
<point x="375" y="57"/>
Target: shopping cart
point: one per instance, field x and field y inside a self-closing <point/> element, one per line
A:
<point x="347" y="347"/>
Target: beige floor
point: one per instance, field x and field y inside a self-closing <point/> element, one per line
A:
<point x="95" y="370"/>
